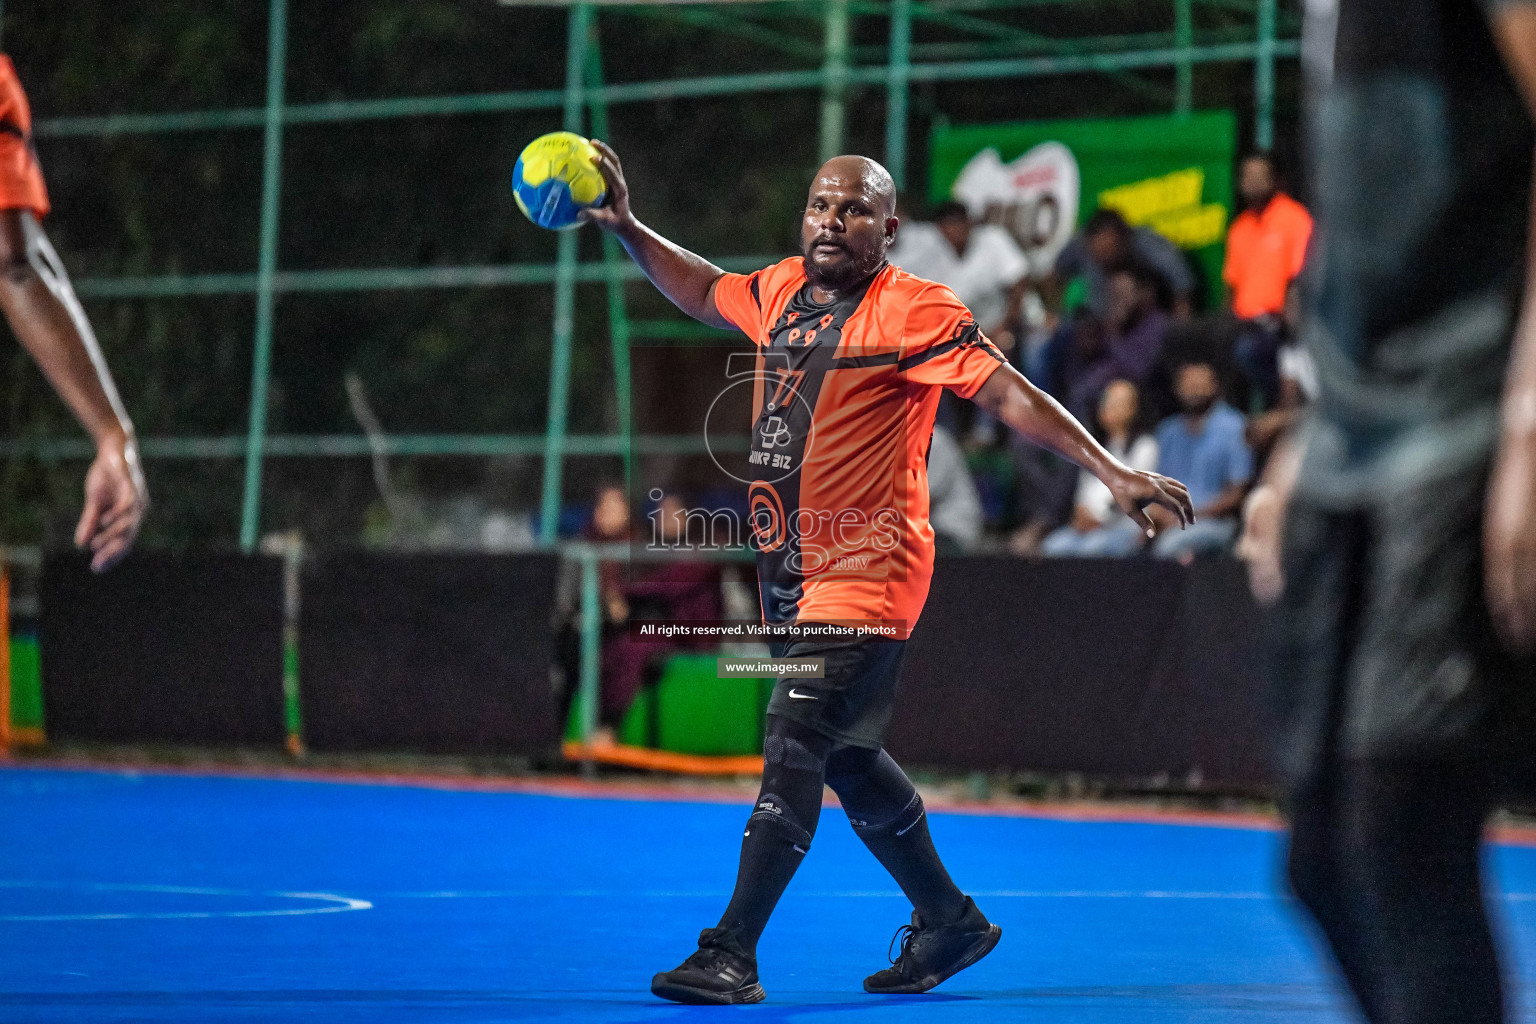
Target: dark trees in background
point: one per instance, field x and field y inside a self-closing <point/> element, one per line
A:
<point x="723" y="175"/>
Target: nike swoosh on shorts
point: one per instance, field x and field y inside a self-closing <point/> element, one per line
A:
<point x="801" y="696"/>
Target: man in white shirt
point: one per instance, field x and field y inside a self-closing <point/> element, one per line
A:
<point x="981" y="264"/>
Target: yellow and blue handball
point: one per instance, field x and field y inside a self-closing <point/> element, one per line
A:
<point x="556" y="177"/>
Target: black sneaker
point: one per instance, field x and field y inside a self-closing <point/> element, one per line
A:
<point x="719" y="973"/>
<point x="929" y="955"/>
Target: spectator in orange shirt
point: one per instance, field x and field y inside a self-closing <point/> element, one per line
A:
<point x="1266" y="247"/>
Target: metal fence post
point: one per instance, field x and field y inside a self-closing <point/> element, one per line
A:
<point x="565" y="294"/>
<point x="1183" y="39"/>
<point x="613" y="264"/>
<point x="1264" y="78"/>
<point x="5" y="660"/>
<point x="271" y="191"/>
<point x="591" y="652"/>
<point x="293" y="595"/>
<point x="834" y="93"/>
<point x="896" y="91"/>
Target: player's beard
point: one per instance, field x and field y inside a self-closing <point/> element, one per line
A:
<point x="845" y="275"/>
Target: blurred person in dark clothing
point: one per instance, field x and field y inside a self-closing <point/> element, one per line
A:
<point x="1106" y="244"/>
<point x="610" y="524"/>
<point x="1407" y="613"/>
<point x="1090" y="350"/>
<point x="1297" y="373"/>
<point x="1138" y="327"/>
<point x="1074" y="365"/>
<point x="1072" y="368"/>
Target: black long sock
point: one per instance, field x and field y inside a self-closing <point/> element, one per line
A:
<point x="887" y="814"/>
<point x="780" y="828"/>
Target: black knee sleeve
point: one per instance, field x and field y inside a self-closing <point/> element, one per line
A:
<point x="794" y="769"/>
<point x="774" y="814"/>
<point x="788" y="751"/>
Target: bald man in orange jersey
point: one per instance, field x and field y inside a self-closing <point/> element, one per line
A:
<point x="42" y="310"/>
<point x="852" y="356"/>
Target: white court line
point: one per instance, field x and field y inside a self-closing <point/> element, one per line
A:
<point x="333" y="904"/>
<point x="1016" y="894"/>
<point x="1031" y="894"/>
<point x="338" y="904"/>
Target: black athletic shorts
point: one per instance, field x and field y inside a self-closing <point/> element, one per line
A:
<point x="853" y="701"/>
<point x="1384" y="645"/>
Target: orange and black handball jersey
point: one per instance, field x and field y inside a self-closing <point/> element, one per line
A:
<point x="21" y="178"/>
<point x="843" y="403"/>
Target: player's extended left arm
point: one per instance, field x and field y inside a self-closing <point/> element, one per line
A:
<point x="1509" y="526"/>
<point x="1010" y="397"/>
<point x="47" y="319"/>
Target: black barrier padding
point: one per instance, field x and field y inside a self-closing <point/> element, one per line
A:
<point x="1213" y="713"/>
<point x="166" y="647"/>
<point x="433" y="653"/>
<point x="1126" y="668"/>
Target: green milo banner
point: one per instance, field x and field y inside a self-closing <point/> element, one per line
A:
<point x="1041" y="179"/>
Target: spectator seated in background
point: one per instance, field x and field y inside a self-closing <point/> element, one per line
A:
<point x="1089" y="351"/>
<point x="1204" y="446"/>
<point x="1075" y="364"/>
<point x="610" y="524"/>
<point x="1098" y="527"/>
<point x="980" y="263"/>
<point x="1106" y="244"/>
<point x="1266" y="247"/>
<point x="677" y="588"/>
<point x="1137" y="326"/>
<point x="985" y="268"/>
<point x="1073" y="368"/>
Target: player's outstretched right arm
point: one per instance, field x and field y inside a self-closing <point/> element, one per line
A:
<point x="1010" y="398"/>
<point x="684" y="277"/>
<point x="48" y="321"/>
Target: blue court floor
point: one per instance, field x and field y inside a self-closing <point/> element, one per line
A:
<point x="128" y="897"/>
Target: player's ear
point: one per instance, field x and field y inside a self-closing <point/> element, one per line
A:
<point x="891" y="224"/>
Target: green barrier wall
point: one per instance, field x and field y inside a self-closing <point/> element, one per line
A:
<point x="26" y="686"/>
<point x="690" y="711"/>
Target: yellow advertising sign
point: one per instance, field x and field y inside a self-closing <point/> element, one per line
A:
<point x="1171" y="205"/>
